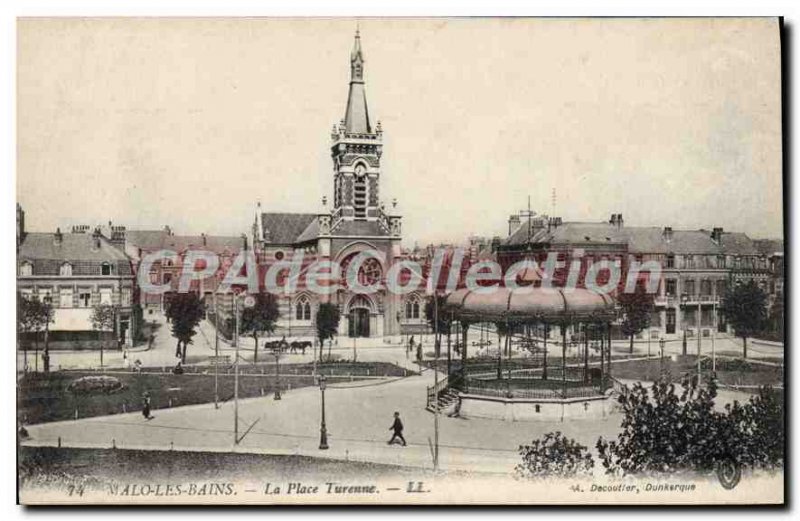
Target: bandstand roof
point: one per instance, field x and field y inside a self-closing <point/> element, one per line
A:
<point x="530" y="305"/>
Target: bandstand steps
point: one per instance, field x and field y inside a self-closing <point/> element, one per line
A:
<point x="446" y="399"/>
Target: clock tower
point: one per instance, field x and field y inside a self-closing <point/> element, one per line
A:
<point x="356" y="151"/>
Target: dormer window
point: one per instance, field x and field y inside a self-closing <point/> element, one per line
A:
<point x="65" y="270"/>
<point x="26" y="269"/>
<point x="105" y="269"/>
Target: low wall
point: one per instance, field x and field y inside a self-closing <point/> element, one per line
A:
<point x="529" y="409"/>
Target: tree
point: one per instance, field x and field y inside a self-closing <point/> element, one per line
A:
<point x="636" y="309"/>
<point x="36" y="317"/>
<point x="25" y="325"/>
<point x="185" y="310"/>
<point x="665" y="429"/>
<point x="260" y="318"/>
<point x="745" y="308"/>
<point x="554" y="455"/>
<point x="775" y="319"/>
<point x="327" y="323"/>
<point x="103" y="318"/>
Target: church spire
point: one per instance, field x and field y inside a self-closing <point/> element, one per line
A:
<point x="357" y="116"/>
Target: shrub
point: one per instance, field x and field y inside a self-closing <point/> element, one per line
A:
<point x="95" y="385"/>
<point x="554" y="455"/>
<point x="333" y="359"/>
<point x="663" y="431"/>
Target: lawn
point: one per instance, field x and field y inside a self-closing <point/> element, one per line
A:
<point x="45" y="397"/>
<point x="729" y="372"/>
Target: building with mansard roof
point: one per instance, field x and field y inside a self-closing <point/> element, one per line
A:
<point x="697" y="265"/>
<point x="138" y="243"/>
<point x="75" y="272"/>
<point x="351" y="221"/>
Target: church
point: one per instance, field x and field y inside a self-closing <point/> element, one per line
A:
<point x="355" y="221"/>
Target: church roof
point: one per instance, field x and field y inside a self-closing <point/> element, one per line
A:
<point x="285" y="228"/>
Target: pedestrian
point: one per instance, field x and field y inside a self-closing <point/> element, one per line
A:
<point x="150" y="341"/>
<point x="126" y="363"/>
<point x="137" y="366"/>
<point x="397" y="427"/>
<point x="411" y="343"/>
<point x="146" y="406"/>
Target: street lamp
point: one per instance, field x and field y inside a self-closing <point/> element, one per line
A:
<point x="323" y="432"/>
<point x="661" y="343"/>
<point x="400" y="328"/>
<point x="684" y="300"/>
<point x="277" y="374"/>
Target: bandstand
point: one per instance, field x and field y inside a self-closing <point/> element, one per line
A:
<point x="531" y="388"/>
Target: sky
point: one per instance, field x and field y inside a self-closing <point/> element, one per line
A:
<point x="190" y="122"/>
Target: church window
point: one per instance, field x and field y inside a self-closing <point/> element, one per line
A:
<point x="302" y="309"/>
<point x="412" y="308"/>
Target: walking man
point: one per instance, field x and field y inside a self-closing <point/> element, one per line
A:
<point x="146" y="406"/>
<point x="397" y="427"/>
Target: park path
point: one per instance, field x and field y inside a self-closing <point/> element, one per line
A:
<point x="358" y="418"/>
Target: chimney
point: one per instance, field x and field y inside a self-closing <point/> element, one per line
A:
<point x="118" y="237"/>
<point x="167" y="229"/>
<point x="613" y="220"/>
<point x="619" y="220"/>
<point x="20" y="225"/>
<point x="513" y="223"/>
<point x="667" y="233"/>
<point x="96" y="239"/>
<point x="58" y="237"/>
<point x="716" y="235"/>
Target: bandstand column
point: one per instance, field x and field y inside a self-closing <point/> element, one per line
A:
<point x="546" y="332"/>
<point x="602" y="361"/>
<point x="564" y="360"/>
<point x="608" y="334"/>
<point x="585" y="353"/>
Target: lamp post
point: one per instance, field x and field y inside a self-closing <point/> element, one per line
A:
<point x="400" y="329"/>
<point x="236" y="370"/>
<point x="661" y="343"/>
<point x="713" y="337"/>
<point x="277" y="375"/>
<point x="216" y="352"/>
<point x="323" y="433"/>
<point x="684" y="300"/>
<point x="249" y="301"/>
<point x="699" y="334"/>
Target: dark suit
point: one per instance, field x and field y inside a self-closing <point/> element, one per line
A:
<point x="397" y="427"/>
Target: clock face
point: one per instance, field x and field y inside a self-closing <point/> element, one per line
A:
<point x="360" y="170"/>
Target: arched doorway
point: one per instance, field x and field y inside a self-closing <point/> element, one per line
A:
<point x="359" y="317"/>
